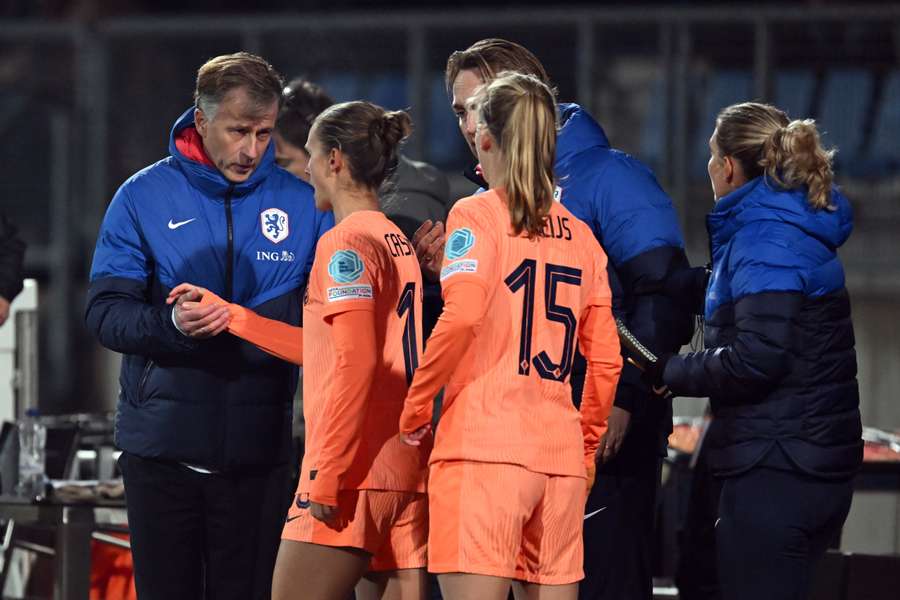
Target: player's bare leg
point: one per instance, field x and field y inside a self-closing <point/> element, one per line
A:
<point x="466" y="586"/>
<point x="402" y="584"/>
<point x="532" y="591"/>
<point x="305" y="570"/>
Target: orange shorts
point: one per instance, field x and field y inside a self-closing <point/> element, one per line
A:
<point x="391" y="526"/>
<point x="506" y="521"/>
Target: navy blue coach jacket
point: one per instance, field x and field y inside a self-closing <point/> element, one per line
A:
<point x="635" y="222"/>
<point x="780" y="364"/>
<point x="218" y="403"/>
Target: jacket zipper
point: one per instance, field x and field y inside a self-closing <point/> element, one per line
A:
<point x="229" y="290"/>
<point x="229" y="252"/>
<point x="143" y="382"/>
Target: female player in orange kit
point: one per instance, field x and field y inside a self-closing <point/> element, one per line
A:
<point x="360" y="512"/>
<point x="522" y="279"/>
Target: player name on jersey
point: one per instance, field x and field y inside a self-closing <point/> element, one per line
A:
<point x="557" y="227"/>
<point x="398" y="245"/>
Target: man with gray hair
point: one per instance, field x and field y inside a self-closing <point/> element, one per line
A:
<point x="204" y="420"/>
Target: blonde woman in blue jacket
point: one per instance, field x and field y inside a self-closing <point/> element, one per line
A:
<point x="779" y="364"/>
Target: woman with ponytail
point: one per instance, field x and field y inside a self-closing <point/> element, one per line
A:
<point x="780" y="364"/>
<point x="359" y="517"/>
<point x="523" y="281"/>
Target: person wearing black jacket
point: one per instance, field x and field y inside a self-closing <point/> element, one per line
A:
<point x="12" y="255"/>
<point x="779" y="364"/>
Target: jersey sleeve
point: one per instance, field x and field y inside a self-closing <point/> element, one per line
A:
<point x="600" y="344"/>
<point x="471" y="250"/>
<point x="349" y="274"/>
<point x="278" y="338"/>
<point x="344" y="417"/>
<point x="465" y="306"/>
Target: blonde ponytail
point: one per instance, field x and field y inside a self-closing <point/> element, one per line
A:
<point x="790" y="153"/>
<point x="794" y="157"/>
<point x="520" y="112"/>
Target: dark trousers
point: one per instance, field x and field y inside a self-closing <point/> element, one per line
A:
<point x="695" y="572"/>
<point x="203" y="536"/>
<point x="619" y="539"/>
<point x="773" y="528"/>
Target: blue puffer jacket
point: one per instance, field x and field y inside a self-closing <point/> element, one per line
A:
<point x="218" y="403"/>
<point x="780" y="364"/>
<point x="635" y="222"/>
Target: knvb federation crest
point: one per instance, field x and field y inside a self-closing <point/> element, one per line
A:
<point x="345" y="266"/>
<point x="274" y="223"/>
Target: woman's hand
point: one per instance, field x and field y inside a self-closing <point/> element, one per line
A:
<point x="414" y="438"/>
<point x="193" y="293"/>
<point x="323" y="512"/>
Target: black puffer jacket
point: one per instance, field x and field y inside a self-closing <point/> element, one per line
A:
<point x="780" y="363"/>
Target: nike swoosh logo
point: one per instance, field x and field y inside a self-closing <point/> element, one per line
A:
<point x="180" y="223"/>
<point x="289" y="519"/>
<point x="589" y="515"/>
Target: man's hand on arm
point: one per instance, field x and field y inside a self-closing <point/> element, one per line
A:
<point x="428" y="240"/>
<point x="193" y="319"/>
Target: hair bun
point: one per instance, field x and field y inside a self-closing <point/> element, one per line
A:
<point x="395" y="126"/>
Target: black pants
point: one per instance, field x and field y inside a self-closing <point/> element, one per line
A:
<point x="203" y="536"/>
<point x="619" y="539"/>
<point x="773" y="528"/>
<point x="695" y="572"/>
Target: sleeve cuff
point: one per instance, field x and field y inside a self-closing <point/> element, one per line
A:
<point x="175" y="323"/>
<point x="411" y="421"/>
<point x="324" y="490"/>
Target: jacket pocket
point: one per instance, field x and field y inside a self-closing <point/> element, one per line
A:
<point x="145" y="376"/>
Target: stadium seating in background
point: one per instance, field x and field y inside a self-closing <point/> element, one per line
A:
<point x="653" y="128"/>
<point x="722" y="89"/>
<point x="342" y="88"/>
<point x="387" y="89"/>
<point x="842" y="115"/>
<point x="445" y="144"/>
<point x="883" y="154"/>
<point x="794" y="92"/>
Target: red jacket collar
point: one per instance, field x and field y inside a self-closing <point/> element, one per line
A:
<point x="190" y="144"/>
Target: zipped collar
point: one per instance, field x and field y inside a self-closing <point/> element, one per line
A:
<point x="210" y="180"/>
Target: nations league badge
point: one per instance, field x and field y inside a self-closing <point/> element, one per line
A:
<point x="459" y="243"/>
<point x="274" y="223"/>
<point x="345" y="266"/>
